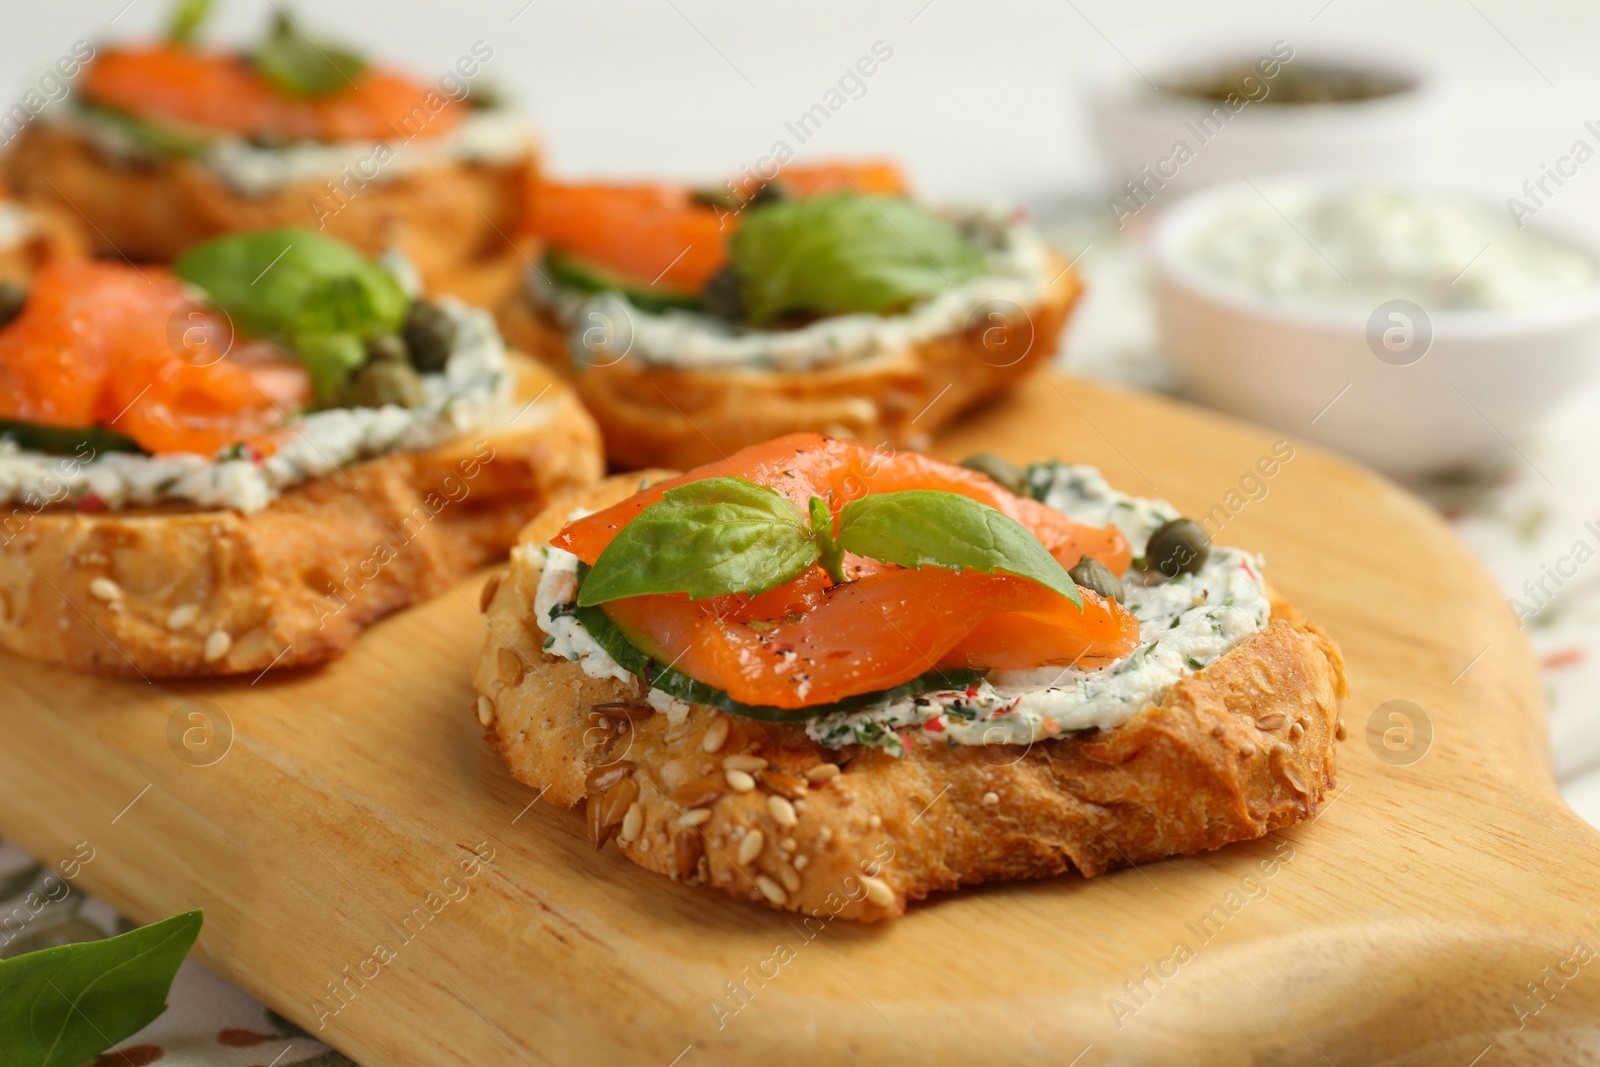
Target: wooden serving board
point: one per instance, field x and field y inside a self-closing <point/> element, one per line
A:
<point x="1409" y="923"/>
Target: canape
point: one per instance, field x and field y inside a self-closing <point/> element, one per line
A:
<point x="696" y="322"/>
<point x="161" y="146"/>
<point x="240" y="463"/>
<point x="833" y="681"/>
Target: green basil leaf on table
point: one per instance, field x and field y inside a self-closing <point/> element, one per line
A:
<point x="185" y="21"/>
<point x="301" y="66"/>
<point x="926" y="527"/>
<point x="833" y="255"/>
<point x="706" y="538"/>
<point x="64" y="1005"/>
<point x="318" y="296"/>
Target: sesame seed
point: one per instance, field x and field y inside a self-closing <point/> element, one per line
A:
<point x="1219" y="730"/>
<point x="217" y="645"/>
<point x="788" y="844"/>
<point x="991" y="798"/>
<point x="716" y="735"/>
<point x="1269" y="722"/>
<point x="485" y="711"/>
<point x="750" y="847"/>
<point x="790" y="880"/>
<point x="632" y="822"/>
<point x="1338" y="731"/>
<point x="878" y="891"/>
<point x="1292" y="774"/>
<point x="748" y="764"/>
<point x="822" y="773"/>
<point x="509" y="665"/>
<point x="1295" y="730"/>
<point x="182" y="616"/>
<point x="875" y="821"/>
<point x="740" y="781"/>
<point x="782" y="811"/>
<point x="1282" y="749"/>
<point x="105" y="589"/>
<point x="802" y="862"/>
<point x="770" y="889"/>
<point x="825" y="834"/>
<point x="1247" y="750"/>
<point x="490" y="588"/>
<point x="697" y="817"/>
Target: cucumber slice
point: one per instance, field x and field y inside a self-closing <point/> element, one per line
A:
<point x="152" y="138"/>
<point x="669" y="680"/>
<point x="66" y="440"/>
<point x="564" y="268"/>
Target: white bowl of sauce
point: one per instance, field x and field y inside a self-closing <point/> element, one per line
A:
<point x="1413" y="328"/>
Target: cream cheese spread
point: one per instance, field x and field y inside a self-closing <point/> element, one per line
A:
<point x="471" y="392"/>
<point x="1361" y="247"/>
<point x="1184" y="625"/>
<point x="495" y="135"/>
<point x="608" y="327"/>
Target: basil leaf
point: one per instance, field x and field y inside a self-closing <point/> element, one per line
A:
<point x="301" y="66"/>
<point x="62" y="1006"/>
<point x="833" y="255"/>
<point x="926" y="527"/>
<point x="706" y="538"/>
<point x="831" y="555"/>
<point x="186" y="19"/>
<point x="318" y="296"/>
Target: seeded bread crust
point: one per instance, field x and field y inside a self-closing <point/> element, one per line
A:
<point x="1232" y="752"/>
<point x="145" y="592"/>
<point x="683" y="418"/>
<point x="453" y="221"/>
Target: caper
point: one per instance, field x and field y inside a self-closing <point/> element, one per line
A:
<point x="388" y="347"/>
<point x="1092" y="574"/>
<point x="719" y="199"/>
<point x="379" y="383"/>
<point x="12" y="297"/>
<point x="723" y="296"/>
<point x="998" y="470"/>
<point x="1178" y="546"/>
<point x="768" y="193"/>
<point x="430" y="335"/>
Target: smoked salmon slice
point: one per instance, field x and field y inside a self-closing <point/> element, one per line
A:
<point x="814" y="642"/>
<point x="95" y="346"/>
<point x="224" y="94"/>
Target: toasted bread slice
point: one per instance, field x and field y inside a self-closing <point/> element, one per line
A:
<point x="453" y="222"/>
<point x="655" y="415"/>
<point x="1234" y="751"/>
<point x="148" y="591"/>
